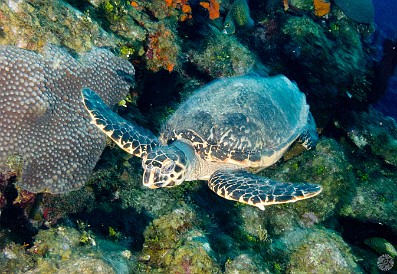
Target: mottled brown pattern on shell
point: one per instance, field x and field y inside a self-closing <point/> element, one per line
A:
<point x="42" y="117"/>
<point x="248" y="121"/>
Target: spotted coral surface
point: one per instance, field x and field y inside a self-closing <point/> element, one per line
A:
<point x="42" y="118"/>
<point x="319" y="251"/>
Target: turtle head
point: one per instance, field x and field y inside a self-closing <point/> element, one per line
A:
<point x="165" y="166"/>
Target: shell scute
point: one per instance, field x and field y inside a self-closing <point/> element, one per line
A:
<point x="248" y="120"/>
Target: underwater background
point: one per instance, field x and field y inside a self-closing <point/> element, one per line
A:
<point x="73" y="202"/>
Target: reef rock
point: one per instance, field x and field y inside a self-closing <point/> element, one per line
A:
<point x="174" y="245"/>
<point x="374" y="200"/>
<point x="246" y="263"/>
<point x="328" y="166"/>
<point x="371" y="129"/>
<point x="315" y="251"/>
<point x="220" y="55"/>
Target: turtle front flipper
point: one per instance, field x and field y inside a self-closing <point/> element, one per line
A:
<point x="309" y="136"/>
<point x="248" y="188"/>
<point x="130" y="137"/>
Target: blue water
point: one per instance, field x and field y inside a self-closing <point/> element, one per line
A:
<point x="386" y="22"/>
<point x="386" y="16"/>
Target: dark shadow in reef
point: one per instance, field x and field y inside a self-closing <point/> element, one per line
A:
<point x="159" y="93"/>
<point x="222" y="222"/>
<point x="108" y="211"/>
<point x="159" y="90"/>
<point x="384" y="69"/>
<point x="355" y="231"/>
<point x="127" y="221"/>
<point x="223" y="211"/>
<point x="14" y="218"/>
<point x="78" y="4"/>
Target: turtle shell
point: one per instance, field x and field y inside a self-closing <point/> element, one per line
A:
<point x="247" y="120"/>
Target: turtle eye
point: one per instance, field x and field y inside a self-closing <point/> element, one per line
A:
<point x="227" y="25"/>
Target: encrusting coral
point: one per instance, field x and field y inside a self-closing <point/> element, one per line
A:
<point x="321" y="7"/>
<point x="213" y="8"/>
<point x="174" y="245"/>
<point x="42" y="117"/>
<point x="315" y="251"/>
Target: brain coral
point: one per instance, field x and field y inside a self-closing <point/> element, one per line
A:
<point x="42" y="120"/>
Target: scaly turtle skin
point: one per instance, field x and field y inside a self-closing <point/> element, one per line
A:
<point x="223" y="129"/>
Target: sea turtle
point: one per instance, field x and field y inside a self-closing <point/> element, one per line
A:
<point x="222" y="130"/>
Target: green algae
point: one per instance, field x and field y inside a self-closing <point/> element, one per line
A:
<point x="174" y="245"/>
<point x="313" y="250"/>
<point x="247" y="263"/>
<point x="372" y="200"/>
<point x="114" y="10"/>
<point x="15" y="162"/>
<point x="322" y="251"/>
<point x="41" y="22"/>
<point x="220" y="55"/>
<point x="382" y="246"/>
<point x="113" y="234"/>
<point x="327" y="166"/>
<point x="59" y="250"/>
<point x="331" y="57"/>
<point x="371" y="129"/>
<point x="15" y="258"/>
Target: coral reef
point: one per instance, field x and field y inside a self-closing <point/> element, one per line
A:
<point x="174" y="245"/>
<point x="373" y="201"/>
<point x="371" y="129"/>
<point x="161" y="45"/>
<point x="213" y="8"/>
<point x="321" y="7"/>
<point x="341" y="65"/>
<point x="55" y="207"/>
<point x="331" y="169"/>
<point x="162" y="50"/>
<point x="218" y="55"/>
<point x="14" y="257"/>
<point x="45" y="122"/>
<point x="32" y="24"/>
<point x="177" y="46"/>
<point x="316" y="251"/>
<point x="61" y="250"/>
<point x="246" y="264"/>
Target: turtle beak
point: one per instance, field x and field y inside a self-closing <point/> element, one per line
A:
<point x="151" y="176"/>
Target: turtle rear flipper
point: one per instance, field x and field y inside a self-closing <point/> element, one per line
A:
<point x="248" y="188"/>
<point x="309" y="137"/>
<point x="130" y="137"/>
